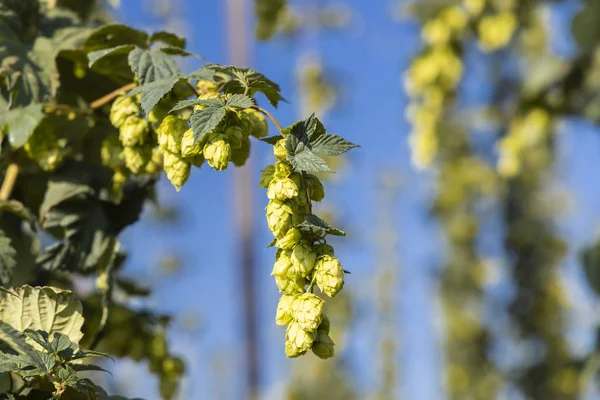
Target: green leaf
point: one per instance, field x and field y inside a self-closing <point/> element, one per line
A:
<point x="68" y="376"/>
<point x="271" y="139"/>
<point x="7" y="259"/>
<point x="239" y="101"/>
<point x="586" y="26"/>
<point x="43" y="308"/>
<point x="266" y="176"/>
<point x="153" y="92"/>
<point x="331" y="145"/>
<point x="16" y="341"/>
<point x="205" y="120"/>
<point x="40" y="337"/>
<point x="113" y="35"/>
<point x="152" y="65"/>
<point x="203" y="73"/>
<point x="21" y="122"/>
<point x="168" y="38"/>
<point x="88" y="367"/>
<point x="184" y="104"/>
<point x="245" y="80"/>
<point x="97" y="55"/>
<point x="314" y="224"/>
<point x="308" y="161"/>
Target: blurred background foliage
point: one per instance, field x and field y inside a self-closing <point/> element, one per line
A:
<point x="492" y="88"/>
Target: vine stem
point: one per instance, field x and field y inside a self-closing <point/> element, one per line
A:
<point x="192" y="87"/>
<point x="12" y="172"/>
<point x="106" y="98"/>
<point x="268" y="115"/>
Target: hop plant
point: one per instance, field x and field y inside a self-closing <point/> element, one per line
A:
<point x="111" y="152"/>
<point x="323" y="346"/>
<point x="188" y="148"/>
<point x="496" y="31"/>
<point x="241" y="155"/>
<point x="291" y="238"/>
<point x="329" y="275"/>
<point x="316" y="189"/>
<point x="254" y="122"/>
<point x="284" y="310"/>
<point x="176" y="168"/>
<point x="279" y="217"/>
<point x="290" y="284"/>
<point x="279" y="150"/>
<point x="282" y="189"/>
<point x="235" y="136"/>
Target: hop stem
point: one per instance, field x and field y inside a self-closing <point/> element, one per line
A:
<point x="268" y="115"/>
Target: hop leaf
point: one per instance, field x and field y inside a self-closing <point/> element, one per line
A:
<point x="297" y="340"/>
<point x="266" y="176"/>
<point x="323" y="249"/>
<point x="240" y="155"/>
<point x="315" y="187"/>
<point x="303" y="258"/>
<point x="323" y="347"/>
<point x="284" y="310"/>
<point x="255" y="122"/>
<point x="329" y="275"/>
<point x="307" y="310"/>
<point x="176" y="168"/>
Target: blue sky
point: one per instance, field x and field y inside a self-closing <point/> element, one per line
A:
<point x="368" y="60"/>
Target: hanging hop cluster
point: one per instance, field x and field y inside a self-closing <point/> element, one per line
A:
<point x="303" y="258"/>
<point x="229" y="141"/>
<point x="134" y="150"/>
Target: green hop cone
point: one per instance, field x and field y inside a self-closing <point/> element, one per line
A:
<point x="323" y="249"/>
<point x="323" y="347"/>
<point x="266" y="176"/>
<point x="240" y="156"/>
<point x="42" y="147"/>
<point x="206" y="86"/>
<point x="315" y="187"/>
<point x="279" y="217"/>
<point x="217" y="152"/>
<point x="205" y="96"/>
<point x="176" y="168"/>
<point x="235" y="136"/>
<point x="282" y="170"/>
<point x="196" y="161"/>
<point x="297" y="340"/>
<point x="307" y="310"/>
<point x="291" y="238"/>
<point x="170" y="133"/>
<point x="111" y="152"/>
<point x="188" y="148"/>
<point x="155" y="164"/>
<point x="118" y="180"/>
<point x="279" y="150"/>
<point x="290" y="285"/>
<point x="256" y="123"/>
<point x="123" y="108"/>
<point x="134" y="131"/>
<point x="284" y="310"/>
<point x="303" y="258"/>
<point x="136" y="158"/>
<point x="283" y="263"/>
<point x="329" y="275"/>
<point x="282" y="189"/>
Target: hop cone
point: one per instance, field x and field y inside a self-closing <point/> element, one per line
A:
<point x="217" y="152"/>
<point x="284" y="310"/>
<point x="188" y="148"/>
<point x="134" y="131"/>
<point x="121" y="109"/>
<point x="282" y="170"/>
<point x="297" y="340"/>
<point x="176" y="168"/>
<point x="266" y="176"/>
<point x="282" y="189"/>
<point x="291" y="238"/>
<point x="329" y="275"/>
<point x="170" y="133"/>
<point x="256" y="123"/>
<point x="279" y="217"/>
<point x="307" y="310"/>
<point x="303" y="258"/>
<point x="290" y="285"/>
<point x="279" y="150"/>
<point x="111" y="152"/>
<point x="323" y="249"/>
<point x="235" y="136"/>
<point x="155" y="164"/>
<point x="43" y="148"/>
<point x="137" y="157"/>
<point x="118" y="180"/>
